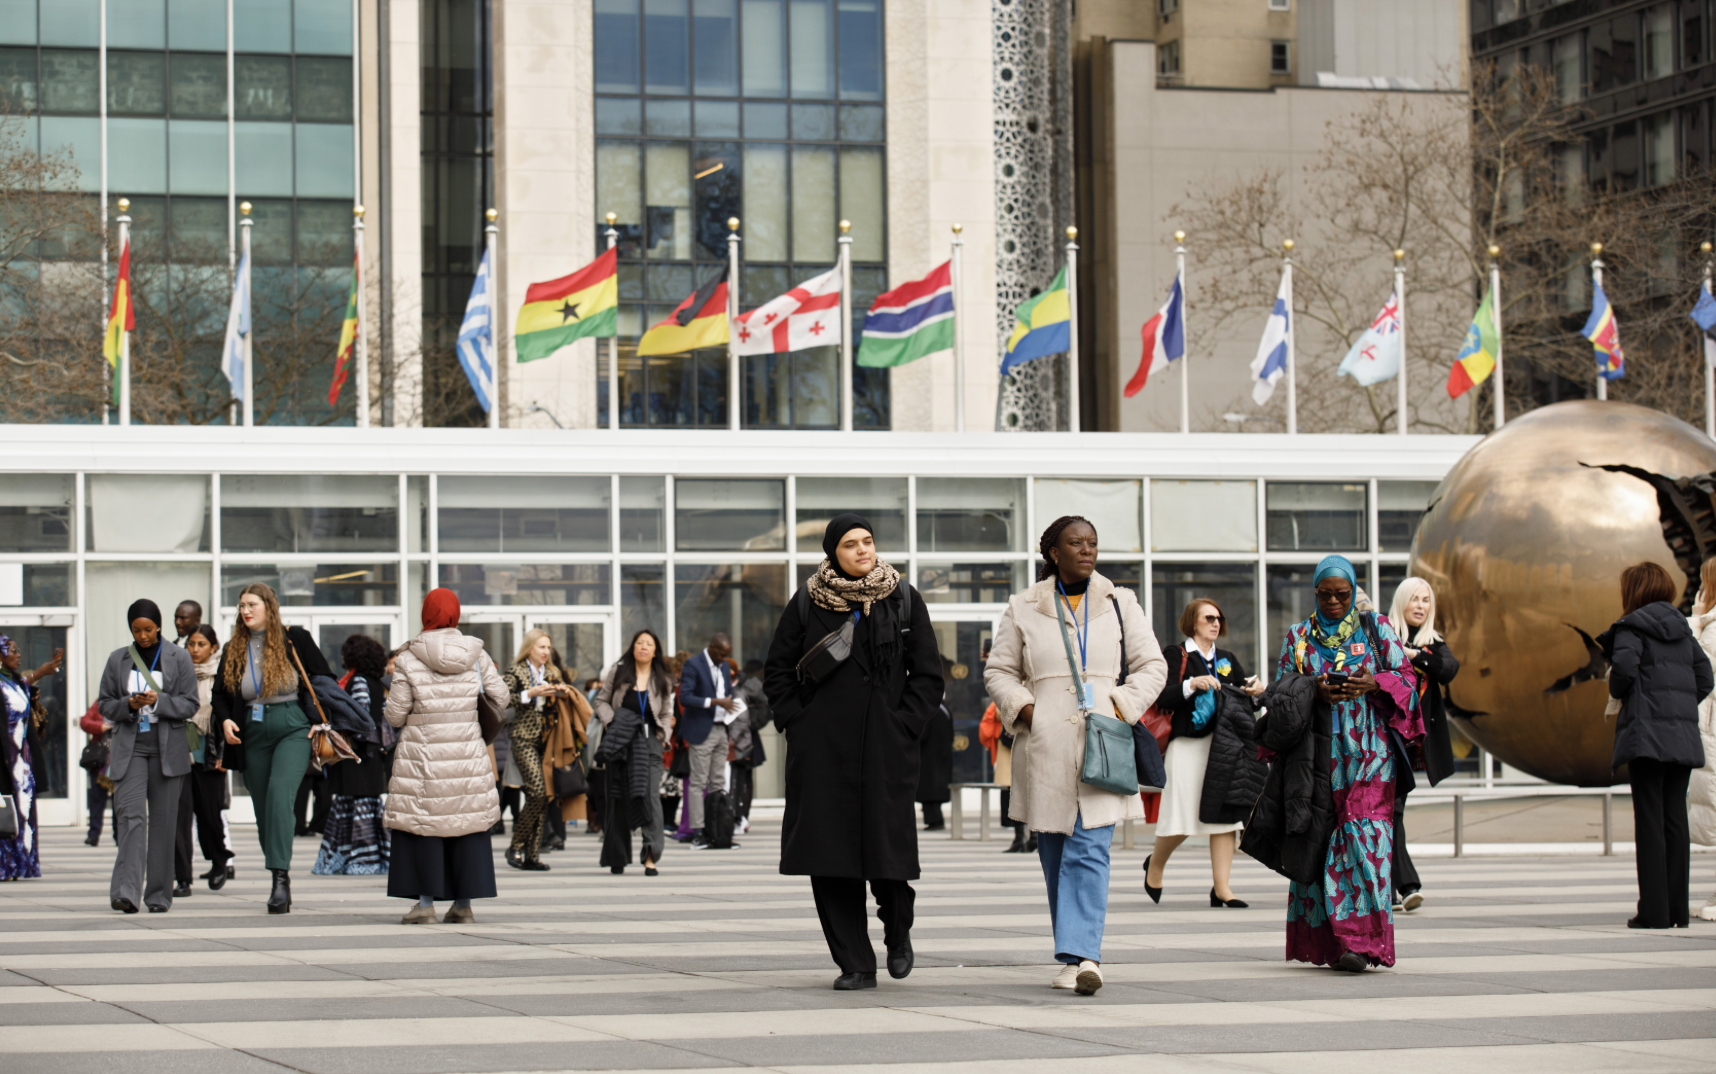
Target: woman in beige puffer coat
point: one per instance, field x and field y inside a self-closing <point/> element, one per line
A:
<point x="441" y="800"/>
<point x="1701" y="792"/>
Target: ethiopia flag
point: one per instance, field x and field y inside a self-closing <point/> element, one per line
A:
<point x="348" y="334"/>
<point x="555" y="313"/>
<point x="699" y="321"/>
<point x="1477" y="358"/>
<point x="1044" y="327"/>
<point x="123" y="317"/>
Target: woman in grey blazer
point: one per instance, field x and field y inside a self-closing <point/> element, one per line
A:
<point x="148" y="692"/>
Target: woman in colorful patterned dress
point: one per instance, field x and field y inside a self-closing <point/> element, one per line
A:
<point x="19" y="856"/>
<point x="1363" y="674"/>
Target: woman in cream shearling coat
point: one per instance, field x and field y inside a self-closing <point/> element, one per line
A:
<point x="1031" y="683"/>
<point x="1701" y="791"/>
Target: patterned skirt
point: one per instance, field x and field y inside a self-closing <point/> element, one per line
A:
<point x="355" y="843"/>
<point x="19" y="856"/>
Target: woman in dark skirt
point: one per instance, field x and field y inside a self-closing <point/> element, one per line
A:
<point x="441" y="799"/>
<point x="355" y="842"/>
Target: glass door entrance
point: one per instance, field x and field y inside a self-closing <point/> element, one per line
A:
<point x="583" y="640"/>
<point x="964" y="644"/>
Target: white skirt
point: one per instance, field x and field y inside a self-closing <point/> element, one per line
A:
<point x="1185" y="763"/>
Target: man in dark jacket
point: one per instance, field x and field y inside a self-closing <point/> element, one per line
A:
<point x="1660" y="673"/>
<point x="852" y="745"/>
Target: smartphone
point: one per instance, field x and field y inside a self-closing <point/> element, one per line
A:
<point x="1336" y="678"/>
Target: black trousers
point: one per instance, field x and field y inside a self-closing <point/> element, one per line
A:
<point x="182" y="874"/>
<point x="840" y="904"/>
<point x="96" y="799"/>
<point x="208" y="802"/>
<point x="1662" y="841"/>
<point x="933" y="821"/>
<point x="1405" y="873"/>
<point x="744" y="789"/>
<point x="317" y="784"/>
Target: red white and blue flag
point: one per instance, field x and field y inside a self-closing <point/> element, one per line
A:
<point x="806" y="316"/>
<point x="912" y="321"/>
<point x="1164" y="338"/>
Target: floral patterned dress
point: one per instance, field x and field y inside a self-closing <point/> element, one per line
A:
<point x="19" y="857"/>
<point x="1350" y="909"/>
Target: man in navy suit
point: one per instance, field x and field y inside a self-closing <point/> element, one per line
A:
<point x="706" y="691"/>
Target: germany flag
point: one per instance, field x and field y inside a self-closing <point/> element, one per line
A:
<point x="699" y="321"/>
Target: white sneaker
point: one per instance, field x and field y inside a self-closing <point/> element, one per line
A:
<point x="744" y="825"/>
<point x="1067" y="978"/>
<point x="1089" y="978"/>
<point x="1708" y="911"/>
<point x="1413" y="900"/>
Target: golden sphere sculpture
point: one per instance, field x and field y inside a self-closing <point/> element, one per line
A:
<point x="1524" y="544"/>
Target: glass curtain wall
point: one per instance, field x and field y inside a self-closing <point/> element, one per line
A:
<point x="767" y="110"/>
<point x="290" y="152"/>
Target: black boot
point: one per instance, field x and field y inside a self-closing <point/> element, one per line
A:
<point x="1018" y="846"/>
<point x="280" y="899"/>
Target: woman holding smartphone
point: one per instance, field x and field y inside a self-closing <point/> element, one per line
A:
<point x="1345" y="920"/>
<point x="532" y="683"/>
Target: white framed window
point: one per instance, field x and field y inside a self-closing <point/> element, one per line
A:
<point x="1168" y="58"/>
<point x="1280" y="61"/>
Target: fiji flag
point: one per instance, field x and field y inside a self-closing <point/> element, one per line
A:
<point x="1605" y="337"/>
<point x="1164" y="338"/>
<point x="476" y="345"/>
<point x="1270" y="365"/>
<point x="1375" y="357"/>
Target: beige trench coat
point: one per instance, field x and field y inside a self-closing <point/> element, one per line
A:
<point x="443" y="780"/>
<point x="1028" y="666"/>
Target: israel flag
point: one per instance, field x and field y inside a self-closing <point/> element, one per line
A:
<point x="1270" y="365"/>
<point x="237" y="327"/>
<point x="476" y="344"/>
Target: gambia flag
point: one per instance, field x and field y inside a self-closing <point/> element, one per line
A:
<point x="555" y="313"/>
<point x="348" y="334"/>
<point x="912" y="321"/>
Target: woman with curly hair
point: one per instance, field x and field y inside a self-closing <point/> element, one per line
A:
<point x="355" y="842"/>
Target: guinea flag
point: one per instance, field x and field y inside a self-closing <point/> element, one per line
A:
<point x="699" y="321"/>
<point x="555" y="313"/>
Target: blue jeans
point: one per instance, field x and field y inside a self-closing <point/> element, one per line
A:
<point x="1075" y="868"/>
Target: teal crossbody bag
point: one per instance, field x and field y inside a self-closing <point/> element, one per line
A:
<point x="1108" y="758"/>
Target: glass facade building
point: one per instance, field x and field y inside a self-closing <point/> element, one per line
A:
<point x="768" y="110"/>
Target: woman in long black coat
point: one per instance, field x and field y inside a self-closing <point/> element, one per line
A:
<point x="1413" y="615"/>
<point x="852" y="746"/>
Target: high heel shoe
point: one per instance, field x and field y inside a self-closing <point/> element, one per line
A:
<point x="280" y="898"/>
<point x="1217" y="900"/>
<point x="1154" y="893"/>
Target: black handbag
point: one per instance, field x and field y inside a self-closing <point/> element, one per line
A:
<point x="826" y="656"/>
<point x="95" y="755"/>
<point x="569" y="781"/>
<point x="8" y="817"/>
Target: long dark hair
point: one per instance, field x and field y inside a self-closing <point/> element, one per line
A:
<point x="626" y="677"/>
<point x="1051" y="537"/>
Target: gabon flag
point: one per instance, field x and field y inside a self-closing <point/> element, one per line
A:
<point x="1477" y="358"/>
<point x="699" y="321"/>
<point x="348" y="334"/>
<point x="123" y="317"/>
<point x="555" y="313"/>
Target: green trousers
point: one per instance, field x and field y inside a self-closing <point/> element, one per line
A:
<point x="276" y="755"/>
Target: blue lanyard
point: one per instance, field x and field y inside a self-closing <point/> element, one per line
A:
<point x="252" y="660"/>
<point x="1082" y="633"/>
<point x="643" y="702"/>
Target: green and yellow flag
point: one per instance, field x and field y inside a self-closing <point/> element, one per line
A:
<point x="348" y="333"/>
<point x="555" y="313"/>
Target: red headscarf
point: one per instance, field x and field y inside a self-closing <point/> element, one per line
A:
<point x="440" y="609"/>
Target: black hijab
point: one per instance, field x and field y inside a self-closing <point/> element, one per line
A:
<point x="839" y="526"/>
<point x="146" y="609"/>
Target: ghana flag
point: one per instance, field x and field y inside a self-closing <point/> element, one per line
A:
<point x="555" y="313"/>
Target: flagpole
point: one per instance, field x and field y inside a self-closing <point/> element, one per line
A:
<point x="491" y="234"/>
<point x="244" y="226"/>
<point x="1186" y="356"/>
<point x="1597" y="282"/>
<point x="613" y="237"/>
<point x="361" y="342"/>
<point x="845" y="247"/>
<point x="956" y="269"/>
<point x="733" y="380"/>
<point x="1709" y="356"/>
<point x="1496" y="323"/>
<point x="1072" y="330"/>
<point x="125" y="336"/>
<point x="1292" y="324"/>
<point x="106" y="310"/>
<point x="1401" y="422"/>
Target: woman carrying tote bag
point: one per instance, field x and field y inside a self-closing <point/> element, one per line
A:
<point x="1052" y="706"/>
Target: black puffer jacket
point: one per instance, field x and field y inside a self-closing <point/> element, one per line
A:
<point x="1290" y="828"/>
<point x="1234" y="776"/>
<point x="1660" y="673"/>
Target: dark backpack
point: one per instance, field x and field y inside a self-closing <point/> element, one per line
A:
<point x="719" y="820"/>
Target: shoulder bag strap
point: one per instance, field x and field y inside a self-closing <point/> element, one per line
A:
<point x="304" y="680"/>
<point x="138" y="662"/>
<point x="1121" y="619"/>
<point x="1061" y="619"/>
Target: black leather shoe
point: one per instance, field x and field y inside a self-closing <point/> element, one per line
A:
<point x="217" y="881"/>
<point x="159" y="909"/>
<point x="616" y="869"/>
<point x="900" y="960"/>
<point x="534" y="866"/>
<point x="650" y="870"/>
<point x="231" y="873"/>
<point x="1352" y="963"/>
<point x="852" y="982"/>
<point x="1031" y="843"/>
<point x="513" y="859"/>
<point x="1018" y="846"/>
<point x="1639" y="923"/>
<point x="210" y="875"/>
<point x="280" y="898"/>
<point x="182" y="891"/>
<point x="125" y="906"/>
<point x="92" y="841"/>
<point x="1154" y="893"/>
<point x="1217" y="900"/>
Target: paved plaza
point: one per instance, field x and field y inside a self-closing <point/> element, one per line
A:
<point x="1516" y="964"/>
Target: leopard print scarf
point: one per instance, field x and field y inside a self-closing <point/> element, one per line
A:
<point x="835" y="592"/>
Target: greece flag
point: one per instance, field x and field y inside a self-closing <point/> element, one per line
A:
<point x="237" y="327"/>
<point x="1270" y="365"/>
<point x="476" y="344"/>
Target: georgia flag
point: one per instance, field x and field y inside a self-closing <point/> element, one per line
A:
<point x="806" y="316"/>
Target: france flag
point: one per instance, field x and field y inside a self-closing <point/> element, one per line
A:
<point x="1270" y="365"/>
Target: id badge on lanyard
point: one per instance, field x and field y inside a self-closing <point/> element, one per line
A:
<point x="256" y="712"/>
<point x="256" y="706"/>
<point x="1087" y="696"/>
